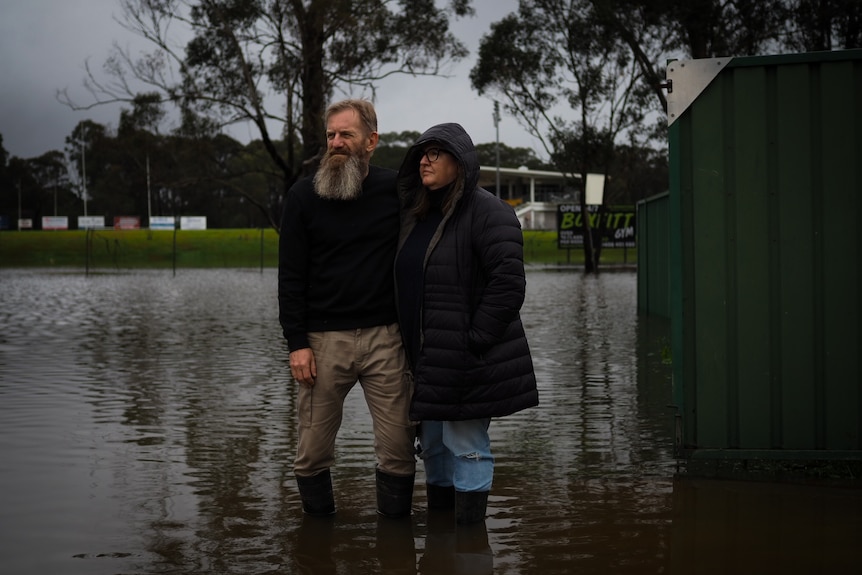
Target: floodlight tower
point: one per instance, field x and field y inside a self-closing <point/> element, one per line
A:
<point x="497" y="147"/>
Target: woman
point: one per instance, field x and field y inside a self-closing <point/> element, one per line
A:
<point x="460" y="280"/>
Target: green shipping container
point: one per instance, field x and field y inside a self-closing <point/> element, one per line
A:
<point x="765" y="255"/>
<point x="653" y="241"/>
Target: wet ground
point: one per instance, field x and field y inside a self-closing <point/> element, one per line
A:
<point x="147" y="426"/>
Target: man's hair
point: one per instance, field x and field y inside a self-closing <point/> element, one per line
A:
<point x="365" y="109"/>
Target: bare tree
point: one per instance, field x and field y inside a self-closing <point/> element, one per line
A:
<point x="272" y="62"/>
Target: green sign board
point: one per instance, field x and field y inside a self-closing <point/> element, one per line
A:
<point x="618" y="229"/>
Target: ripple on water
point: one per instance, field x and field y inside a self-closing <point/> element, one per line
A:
<point x="148" y="422"/>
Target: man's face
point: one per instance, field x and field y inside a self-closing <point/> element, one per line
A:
<point x="346" y="137"/>
<point x="348" y="153"/>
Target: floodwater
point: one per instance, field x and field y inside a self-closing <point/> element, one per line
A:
<point x="147" y="427"/>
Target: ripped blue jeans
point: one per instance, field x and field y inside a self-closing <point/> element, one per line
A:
<point x="457" y="453"/>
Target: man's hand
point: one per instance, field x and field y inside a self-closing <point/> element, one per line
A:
<point x="303" y="367"/>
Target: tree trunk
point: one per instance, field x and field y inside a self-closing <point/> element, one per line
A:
<point x="315" y="92"/>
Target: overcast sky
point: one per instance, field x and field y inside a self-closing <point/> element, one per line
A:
<point x="44" y="45"/>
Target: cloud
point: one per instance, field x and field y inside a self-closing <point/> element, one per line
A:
<point x="44" y="45"/>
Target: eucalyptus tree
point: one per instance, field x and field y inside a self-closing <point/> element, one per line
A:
<point x="4" y="158"/>
<point x="722" y="28"/>
<point x="575" y="88"/>
<point x="26" y="186"/>
<point x="658" y="30"/>
<point x="249" y="175"/>
<point x="513" y="157"/>
<point x="193" y="171"/>
<point x="394" y="145"/>
<point x="825" y="25"/>
<point x="274" y="63"/>
<point x="49" y="187"/>
<point x="8" y="188"/>
<point x="88" y="149"/>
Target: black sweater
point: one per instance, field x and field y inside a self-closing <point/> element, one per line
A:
<point x="336" y="258"/>
<point x="410" y="275"/>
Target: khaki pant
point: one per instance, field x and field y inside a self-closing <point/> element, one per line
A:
<point x="375" y="358"/>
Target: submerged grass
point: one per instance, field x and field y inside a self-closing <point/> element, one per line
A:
<point x="216" y="248"/>
<point x="125" y="249"/>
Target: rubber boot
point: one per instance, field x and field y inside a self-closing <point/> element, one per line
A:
<point x="394" y="494"/>
<point x="316" y="493"/>
<point x="470" y="506"/>
<point x="440" y="497"/>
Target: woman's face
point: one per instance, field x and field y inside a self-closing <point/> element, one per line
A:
<point x="437" y="167"/>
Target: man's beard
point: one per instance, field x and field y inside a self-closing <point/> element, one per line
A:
<point x="340" y="176"/>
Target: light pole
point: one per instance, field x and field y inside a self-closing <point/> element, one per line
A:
<point x="149" y="201"/>
<point x="84" y="170"/>
<point x="497" y="126"/>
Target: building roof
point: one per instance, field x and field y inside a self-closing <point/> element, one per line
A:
<point x="488" y="174"/>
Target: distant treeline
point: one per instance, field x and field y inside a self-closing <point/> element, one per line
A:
<point x="219" y="178"/>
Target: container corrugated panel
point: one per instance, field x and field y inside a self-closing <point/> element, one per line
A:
<point x="653" y="240"/>
<point x="766" y="201"/>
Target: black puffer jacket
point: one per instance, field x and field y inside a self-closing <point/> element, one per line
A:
<point x="473" y="360"/>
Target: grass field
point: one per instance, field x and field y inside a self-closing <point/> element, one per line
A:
<point x="241" y="248"/>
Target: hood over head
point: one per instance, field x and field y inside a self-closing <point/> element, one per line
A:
<point x="450" y="137"/>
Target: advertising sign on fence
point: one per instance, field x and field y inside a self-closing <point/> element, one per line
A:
<point x="25" y="224"/>
<point x="569" y="225"/>
<point x="55" y="222"/>
<point x="91" y="222"/>
<point x="127" y="222"/>
<point x="193" y="222"/>
<point x="619" y="226"/>
<point x="163" y="222"/>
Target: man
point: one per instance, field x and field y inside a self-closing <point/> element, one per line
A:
<point x="339" y="232"/>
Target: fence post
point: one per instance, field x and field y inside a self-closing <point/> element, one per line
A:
<point x="174" y="254"/>
<point x="87" y="252"/>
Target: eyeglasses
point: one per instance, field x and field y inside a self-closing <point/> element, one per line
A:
<point x="433" y="154"/>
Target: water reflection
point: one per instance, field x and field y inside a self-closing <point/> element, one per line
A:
<point x="147" y="426"/>
<point x="739" y="527"/>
